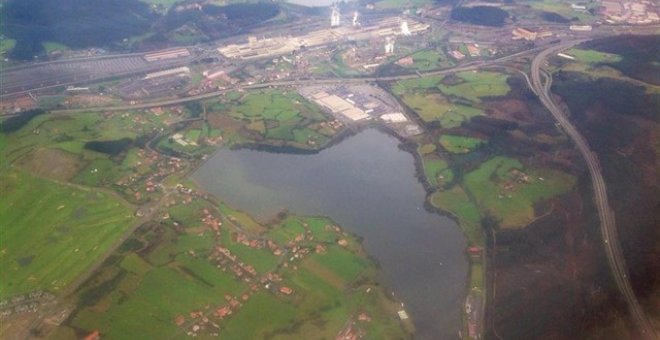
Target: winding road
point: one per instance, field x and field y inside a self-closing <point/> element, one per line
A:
<point x="608" y="230"/>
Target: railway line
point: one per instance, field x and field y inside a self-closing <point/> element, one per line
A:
<point x="299" y="82"/>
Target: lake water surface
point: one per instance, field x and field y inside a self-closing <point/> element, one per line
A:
<point x="367" y="185"/>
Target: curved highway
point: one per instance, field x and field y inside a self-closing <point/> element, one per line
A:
<point x="605" y="213"/>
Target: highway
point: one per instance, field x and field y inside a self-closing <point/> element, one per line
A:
<point x="608" y="230"/>
<point x="300" y="82"/>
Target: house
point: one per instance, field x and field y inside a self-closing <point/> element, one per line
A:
<point x="95" y="335"/>
<point x="407" y="61"/>
<point x="521" y="33"/>
<point x="474" y="250"/>
<point x="286" y="290"/>
<point x="473" y="49"/>
<point x="457" y="55"/>
<point x="223" y="312"/>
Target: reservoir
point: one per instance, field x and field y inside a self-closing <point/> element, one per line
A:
<point x="368" y="186"/>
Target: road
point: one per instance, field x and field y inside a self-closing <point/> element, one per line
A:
<point x="300" y="82"/>
<point x="66" y="300"/>
<point x="607" y="222"/>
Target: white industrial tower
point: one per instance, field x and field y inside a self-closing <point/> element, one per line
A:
<point x="334" y="17"/>
<point x="355" y="18"/>
<point x="404" y="28"/>
<point x="389" y="45"/>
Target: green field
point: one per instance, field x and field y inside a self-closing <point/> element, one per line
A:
<point x="562" y="8"/>
<point x="459" y="114"/>
<point x="459" y="144"/>
<point x="146" y="297"/>
<point x="416" y="85"/>
<point x="470" y="85"/>
<point x="99" y="172"/>
<point x="429" y="107"/>
<point x="64" y="225"/>
<point x="190" y="214"/>
<point x="54" y="46"/>
<point x="321" y="228"/>
<point x="241" y="219"/>
<point x="271" y="105"/>
<point x="437" y="171"/>
<point x="434" y="107"/>
<point x="138" y="304"/>
<point x="126" y="297"/>
<point x="193" y="135"/>
<point x="52" y="233"/>
<point x="477" y="273"/>
<point x="6" y="45"/>
<point x="426" y="149"/>
<point x="434" y="101"/>
<point x="477" y="84"/>
<point x="427" y="60"/>
<point x="275" y="117"/>
<point x="261" y="259"/>
<point x="68" y="133"/>
<point x="504" y="189"/>
<point x="456" y="202"/>
<point x="345" y="266"/>
<point x="592" y="56"/>
<point x="254" y="323"/>
<point x="287" y="231"/>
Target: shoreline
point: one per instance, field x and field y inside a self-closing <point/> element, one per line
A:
<point x="405" y="145"/>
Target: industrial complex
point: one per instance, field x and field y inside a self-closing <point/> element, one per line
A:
<point x="357" y="103"/>
<point x="384" y="29"/>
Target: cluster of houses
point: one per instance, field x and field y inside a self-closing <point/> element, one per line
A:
<point x="207" y="321"/>
<point x="632" y="12"/>
<point x="333" y="124"/>
<point x="145" y="184"/>
<point x="211" y="221"/>
<point x="204" y="321"/>
<point x="520" y="33"/>
<point x="473" y="50"/>
<point x="24" y="303"/>
<point x="350" y="331"/>
<point x="515" y="176"/>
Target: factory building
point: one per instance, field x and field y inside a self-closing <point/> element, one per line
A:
<point x="273" y="46"/>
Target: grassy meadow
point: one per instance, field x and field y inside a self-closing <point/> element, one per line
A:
<point x="53" y="232"/>
<point x="459" y="144"/>
<point x="331" y="284"/>
<point x="503" y="188"/>
<point x="271" y="117"/>
<point x="451" y="100"/>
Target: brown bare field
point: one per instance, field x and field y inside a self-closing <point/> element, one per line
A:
<point x="52" y="163"/>
<point x="220" y="121"/>
<point x="510" y="109"/>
